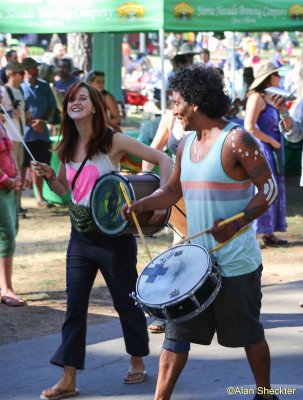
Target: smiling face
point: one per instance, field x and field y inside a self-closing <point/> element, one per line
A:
<point x="183" y="111"/>
<point x="80" y="105"/>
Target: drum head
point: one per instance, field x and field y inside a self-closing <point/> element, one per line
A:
<point x="106" y="202"/>
<point x="173" y="274"/>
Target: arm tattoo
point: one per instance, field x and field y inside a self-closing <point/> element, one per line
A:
<point x="270" y="190"/>
<point x="257" y="171"/>
<point x="247" y="140"/>
<point x="252" y="213"/>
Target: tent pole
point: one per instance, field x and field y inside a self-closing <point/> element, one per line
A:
<point x="163" y="88"/>
<point x="233" y="68"/>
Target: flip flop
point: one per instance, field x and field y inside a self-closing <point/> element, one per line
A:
<point x="135" y="377"/>
<point x="157" y="326"/>
<point x="57" y="393"/>
<point x="12" y="301"/>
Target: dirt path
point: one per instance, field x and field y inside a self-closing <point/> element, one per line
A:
<point x="39" y="268"/>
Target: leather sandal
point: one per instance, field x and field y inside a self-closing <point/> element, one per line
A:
<point x="273" y="241"/>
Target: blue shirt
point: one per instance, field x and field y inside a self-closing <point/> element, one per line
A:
<point x="209" y="194"/>
<point x="62" y="85"/>
<point x="40" y="101"/>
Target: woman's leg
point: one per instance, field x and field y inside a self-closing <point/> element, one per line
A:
<point x="6" y="271"/>
<point x="120" y="274"/>
<point x="80" y="276"/>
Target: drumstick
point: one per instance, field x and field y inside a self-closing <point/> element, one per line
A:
<point x="135" y="220"/>
<point x="208" y="230"/>
<point x="244" y="229"/>
<point x="13" y="127"/>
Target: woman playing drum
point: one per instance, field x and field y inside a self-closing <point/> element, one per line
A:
<point x="90" y="148"/>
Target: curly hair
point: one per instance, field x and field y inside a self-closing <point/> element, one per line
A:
<point x="203" y="87"/>
<point x="101" y="140"/>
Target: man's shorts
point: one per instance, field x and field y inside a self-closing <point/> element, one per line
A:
<point x="40" y="149"/>
<point x="234" y="315"/>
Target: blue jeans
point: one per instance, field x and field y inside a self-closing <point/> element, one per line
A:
<point x="116" y="259"/>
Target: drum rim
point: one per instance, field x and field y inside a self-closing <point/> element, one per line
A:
<point x="183" y="296"/>
<point x="126" y="223"/>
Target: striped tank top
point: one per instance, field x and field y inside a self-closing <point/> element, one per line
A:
<point x="210" y="194"/>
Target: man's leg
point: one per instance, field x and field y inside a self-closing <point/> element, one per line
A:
<point x="171" y="365"/>
<point x="258" y="356"/>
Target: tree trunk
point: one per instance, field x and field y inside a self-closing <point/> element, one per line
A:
<point x="79" y="47"/>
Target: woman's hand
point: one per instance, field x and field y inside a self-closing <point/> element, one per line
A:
<point x="275" y="144"/>
<point x="42" y="169"/>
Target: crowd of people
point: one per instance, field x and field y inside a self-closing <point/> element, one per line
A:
<point x="222" y="167"/>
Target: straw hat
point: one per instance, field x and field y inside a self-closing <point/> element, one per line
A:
<point x="262" y="71"/>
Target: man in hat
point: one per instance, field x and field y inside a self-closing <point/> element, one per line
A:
<point x="218" y="166"/>
<point x="41" y="104"/>
<point x="14" y="104"/>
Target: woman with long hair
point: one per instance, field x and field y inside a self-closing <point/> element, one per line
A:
<point x="90" y="148"/>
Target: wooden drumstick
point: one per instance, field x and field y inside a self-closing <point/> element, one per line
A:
<point x="208" y="230"/>
<point x="128" y="202"/>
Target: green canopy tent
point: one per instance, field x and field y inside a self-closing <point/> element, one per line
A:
<point x="57" y="16"/>
<point x="48" y="16"/>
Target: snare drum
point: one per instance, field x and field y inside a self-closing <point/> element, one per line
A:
<point x="178" y="284"/>
<point x="107" y="200"/>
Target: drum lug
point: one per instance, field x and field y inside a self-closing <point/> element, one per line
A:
<point x="134" y="296"/>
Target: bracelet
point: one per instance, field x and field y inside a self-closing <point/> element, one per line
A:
<point x="3" y="178"/>
<point x="284" y="115"/>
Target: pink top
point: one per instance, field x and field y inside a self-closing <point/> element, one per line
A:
<point x="93" y="169"/>
<point x="7" y="163"/>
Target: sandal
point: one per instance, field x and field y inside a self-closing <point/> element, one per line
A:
<point x="12" y="301"/>
<point x="157" y="326"/>
<point x="273" y="240"/>
<point x="134" y="377"/>
<point x="57" y="393"/>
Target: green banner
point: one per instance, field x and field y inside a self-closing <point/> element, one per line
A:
<point x="233" y="15"/>
<point x="60" y="16"/>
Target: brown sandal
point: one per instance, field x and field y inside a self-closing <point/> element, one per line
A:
<point x="273" y="241"/>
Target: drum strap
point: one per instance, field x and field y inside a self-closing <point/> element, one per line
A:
<point x="78" y="172"/>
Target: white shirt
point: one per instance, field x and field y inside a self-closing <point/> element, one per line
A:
<point x="7" y="104"/>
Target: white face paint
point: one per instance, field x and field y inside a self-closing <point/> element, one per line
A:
<point x="270" y="190"/>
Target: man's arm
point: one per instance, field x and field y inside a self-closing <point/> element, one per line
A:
<point x="245" y="160"/>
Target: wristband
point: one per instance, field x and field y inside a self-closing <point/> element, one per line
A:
<point x="236" y="225"/>
<point x="284" y="115"/>
<point x="3" y="178"/>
